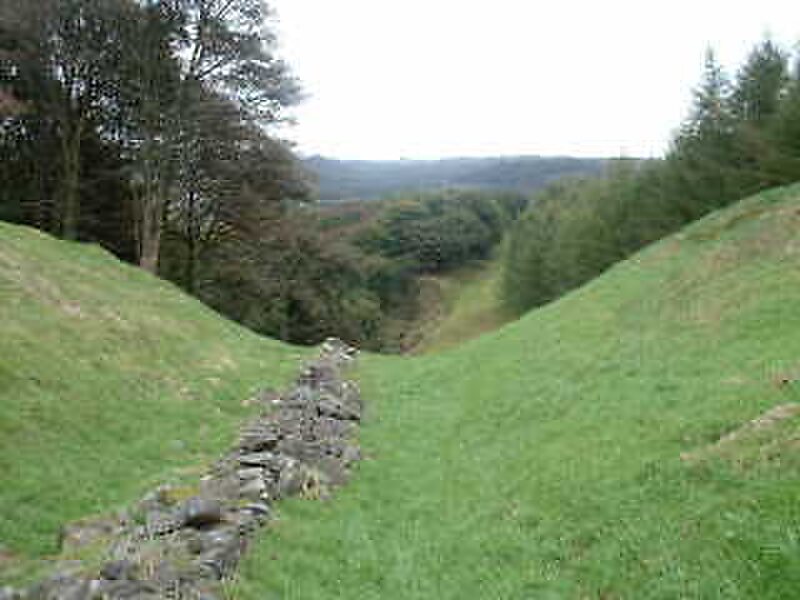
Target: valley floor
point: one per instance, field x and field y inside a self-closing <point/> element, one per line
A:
<point x="469" y="305"/>
<point x="576" y="453"/>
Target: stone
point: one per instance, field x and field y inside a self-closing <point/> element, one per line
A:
<point x="201" y="512"/>
<point x="214" y="538"/>
<point x="255" y="489"/>
<point x="330" y="406"/>
<point x="268" y="397"/>
<point x="119" y="570"/>
<point x="257" y="459"/>
<point x="222" y="558"/>
<point x="161" y="522"/>
<point x="165" y="576"/>
<point x="328" y="428"/>
<point x="9" y="593"/>
<point x="299" y="449"/>
<point x="204" y="595"/>
<point x="250" y="473"/>
<point x="247" y="524"/>
<point x="125" y="590"/>
<point x="61" y="586"/>
<point x="224" y="484"/>
<point x="300" y="395"/>
<point x="258" y="509"/>
<point x="292" y="481"/>
<point x="351" y="454"/>
<point x="257" y="439"/>
<point x="333" y="472"/>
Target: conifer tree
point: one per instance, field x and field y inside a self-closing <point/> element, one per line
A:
<point x="761" y="83"/>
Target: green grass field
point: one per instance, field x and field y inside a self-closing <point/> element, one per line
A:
<point x="111" y="382"/>
<point x="471" y="306"/>
<point x="573" y="454"/>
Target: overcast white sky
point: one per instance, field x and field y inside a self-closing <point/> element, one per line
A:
<point x="437" y="78"/>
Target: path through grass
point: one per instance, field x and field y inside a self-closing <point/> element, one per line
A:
<point x="544" y="460"/>
<point x="471" y="306"/>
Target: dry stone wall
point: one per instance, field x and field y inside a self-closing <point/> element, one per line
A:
<point x="183" y="542"/>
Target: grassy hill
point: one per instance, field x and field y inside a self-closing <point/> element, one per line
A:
<point x="601" y="447"/>
<point x="111" y="381"/>
<point x="576" y="453"/>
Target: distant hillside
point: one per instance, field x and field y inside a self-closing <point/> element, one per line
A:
<point x="368" y="180"/>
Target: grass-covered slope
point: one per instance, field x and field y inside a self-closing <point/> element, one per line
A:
<point x="110" y="382"/>
<point x="574" y="454"/>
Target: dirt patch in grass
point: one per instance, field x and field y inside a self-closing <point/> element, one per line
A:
<point x="713" y="231"/>
<point x="765" y="437"/>
<point x="768" y="419"/>
<point x="39" y="288"/>
<point x="6" y="557"/>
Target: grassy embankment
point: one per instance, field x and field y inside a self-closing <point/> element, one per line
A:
<point x="574" y="454"/>
<point x="111" y="382"/>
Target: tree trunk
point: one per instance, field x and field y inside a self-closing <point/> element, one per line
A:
<point x="191" y="261"/>
<point x="150" y="234"/>
<point x="149" y="258"/>
<point x="71" y="156"/>
<point x="191" y="244"/>
<point x="153" y="201"/>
